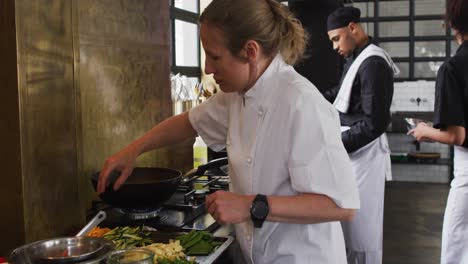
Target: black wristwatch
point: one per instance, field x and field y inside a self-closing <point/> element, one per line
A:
<point x="259" y="210"/>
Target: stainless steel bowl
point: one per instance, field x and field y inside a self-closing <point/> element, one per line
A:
<point x="63" y="250"/>
<point x="131" y="256"/>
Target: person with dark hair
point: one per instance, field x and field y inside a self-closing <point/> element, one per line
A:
<point x="291" y="179"/>
<point x="363" y="100"/>
<point x="450" y="123"/>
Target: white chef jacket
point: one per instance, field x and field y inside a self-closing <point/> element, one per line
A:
<point x="282" y="138"/>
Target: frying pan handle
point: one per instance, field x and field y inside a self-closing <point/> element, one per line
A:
<point x="100" y="216"/>
<point x="196" y="173"/>
<point x="212" y="164"/>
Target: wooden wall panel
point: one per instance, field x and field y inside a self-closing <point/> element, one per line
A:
<point x="89" y="77"/>
<point x="123" y="78"/>
<point x="47" y="114"/>
<point x="11" y="193"/>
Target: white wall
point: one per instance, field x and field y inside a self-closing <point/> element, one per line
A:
<point x="406" y="94"/>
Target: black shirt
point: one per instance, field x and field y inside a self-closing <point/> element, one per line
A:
<point x="451" y="94"/>
<point x="371" y="96"/>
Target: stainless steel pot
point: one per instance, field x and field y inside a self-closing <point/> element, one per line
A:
<point x="65" y="250"/>
<point x="79" y="249"/>
<point x="89" y="250"/>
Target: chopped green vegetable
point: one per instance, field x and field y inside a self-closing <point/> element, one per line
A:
<point x="128" y="237"/>
<point x="198" y="243"/>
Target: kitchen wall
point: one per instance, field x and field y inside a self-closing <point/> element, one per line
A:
<point x="81" y="79"/>
<point x="413" y="98"/>
<point x="123" y="82"/>
<point x="46" y="111"/>
<point x="407" y="94"/>
<point x="405" y="103"/>
<point x="11" y="195"/>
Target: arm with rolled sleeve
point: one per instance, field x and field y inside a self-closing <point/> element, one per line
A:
<point x="376" y="79"/>
<point x="449" y="112"/>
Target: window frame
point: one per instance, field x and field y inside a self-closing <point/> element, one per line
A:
<point x="411" y="39"/>
<point x="189" y="17"/>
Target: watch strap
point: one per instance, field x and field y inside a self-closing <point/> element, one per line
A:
<point x="258" y="221"/>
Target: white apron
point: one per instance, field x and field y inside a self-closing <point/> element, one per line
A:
<point x="455" y="228"/>
<point x="363" y="235"/>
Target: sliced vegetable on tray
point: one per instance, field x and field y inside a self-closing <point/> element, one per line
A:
<point x="169" y="253"/>
<point x="98" y="232"/>
<point x="129" y="237"/>
<point x="198" y="243"/>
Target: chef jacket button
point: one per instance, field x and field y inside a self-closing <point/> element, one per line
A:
<point x="249" y="160"/>
<point x="248" y="237"/>
<point x="260" y="112"/>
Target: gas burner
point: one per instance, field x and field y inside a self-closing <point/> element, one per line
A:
<point x="139" y="214"/>
<point x="183" y="211"/>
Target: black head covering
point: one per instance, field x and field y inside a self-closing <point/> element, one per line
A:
<point x="342" y="16"/>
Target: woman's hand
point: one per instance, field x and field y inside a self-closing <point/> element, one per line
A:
<point x="229" y="207"/>
<point x="123" y="161"/>
<point x="420" y="132"/>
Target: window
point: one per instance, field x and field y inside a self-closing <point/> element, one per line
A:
<point x="396" y="49"/>
<point x="393" y="8"/>
<point x="412" y="31"/>
<point x="429" y="49"/>
<point x="185" y="44"/>
<point x="186" y="37"/>
<point x="367" y="9"/>
<point x="394" y="29"/>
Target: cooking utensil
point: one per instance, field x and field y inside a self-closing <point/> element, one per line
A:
<point x="144" y="188"/>
<point x="196" y="173"/>
<point x="77" y="249"/>
<point x="100" y="216"/>
<point x="66" y="249"/>
<point x="149" y="187"/>
<point x="21" y="256"/>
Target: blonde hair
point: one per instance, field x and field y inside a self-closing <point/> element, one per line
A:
<point x="266" y="21"/>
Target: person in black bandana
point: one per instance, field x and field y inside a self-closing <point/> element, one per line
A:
<point x="363" y="98"/>
<point x="450" y="122"/>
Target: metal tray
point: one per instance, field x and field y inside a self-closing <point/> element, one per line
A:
<point x="163" y="237"/>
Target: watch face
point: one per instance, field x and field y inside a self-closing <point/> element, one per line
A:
<point x="260" y="210"/>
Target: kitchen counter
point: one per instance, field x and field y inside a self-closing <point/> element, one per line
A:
<point x="442" y="161"/>
<point x="233" y="250"/>
<point x="406" y="169"/>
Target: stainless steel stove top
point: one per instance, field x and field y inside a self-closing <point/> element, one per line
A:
<point x="185" y="210"/>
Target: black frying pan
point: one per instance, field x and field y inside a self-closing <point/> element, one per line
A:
<point x="144" y="188"/>
<point x="149" y="187"/>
